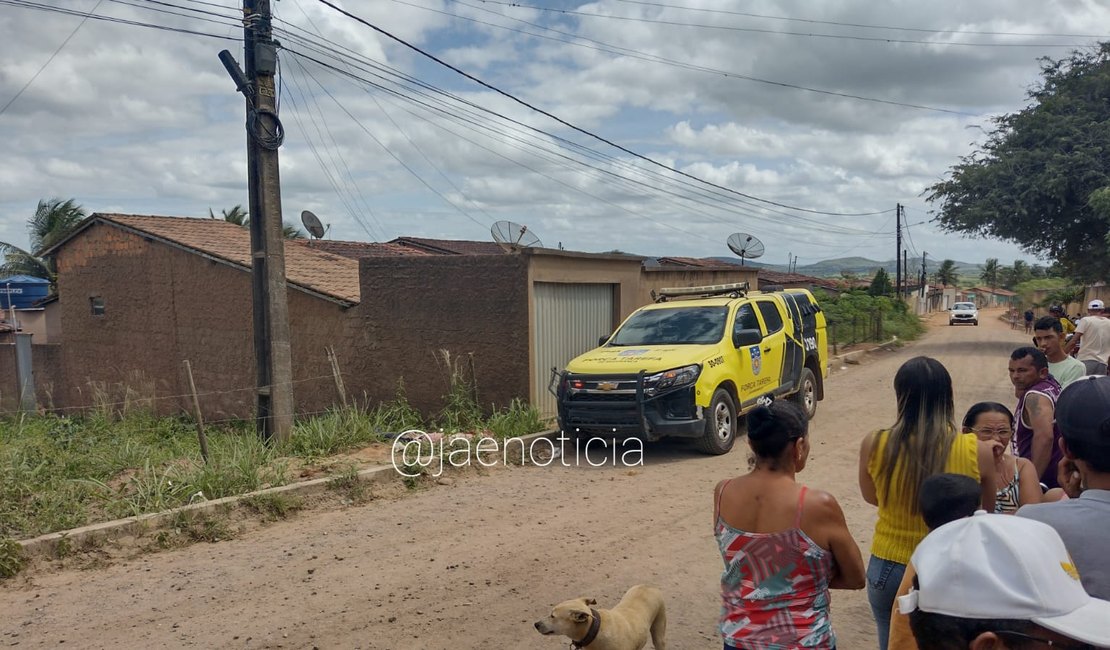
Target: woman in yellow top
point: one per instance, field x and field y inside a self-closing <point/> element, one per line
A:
<point x="893" y="463"/>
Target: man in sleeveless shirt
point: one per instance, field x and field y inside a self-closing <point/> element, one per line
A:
<point x="1036" y="435"/>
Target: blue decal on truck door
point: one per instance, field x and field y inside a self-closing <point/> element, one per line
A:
<point x="757" y="359"/>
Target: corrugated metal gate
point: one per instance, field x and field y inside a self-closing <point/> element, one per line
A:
<point x="569" y="320"/>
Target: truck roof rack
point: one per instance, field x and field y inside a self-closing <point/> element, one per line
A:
<point x="733" y="290"/>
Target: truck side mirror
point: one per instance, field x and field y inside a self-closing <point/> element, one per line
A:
<point x="743" y="338"/>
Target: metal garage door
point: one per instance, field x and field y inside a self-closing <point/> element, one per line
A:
<point x="569" y="320"/>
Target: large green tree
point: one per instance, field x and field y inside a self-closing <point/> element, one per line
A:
<point x="1042" y="178"/>
<point x="881" y="284"/>
<point x="946" y="274"/>
<point x="53" y="220"/>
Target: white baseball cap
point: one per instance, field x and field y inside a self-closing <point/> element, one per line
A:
<point x="1005" y="567"/>
<point x="1095" y="304"/>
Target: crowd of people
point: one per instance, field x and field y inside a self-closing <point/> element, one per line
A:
<point x="989" y="534"/>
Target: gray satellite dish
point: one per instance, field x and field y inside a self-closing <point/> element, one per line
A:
<point x="745" y="245"/>
<point x="514" y="236"/>
<point x="312" y="224"/>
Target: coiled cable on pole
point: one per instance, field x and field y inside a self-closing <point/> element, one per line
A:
<point x="266" y="138"/>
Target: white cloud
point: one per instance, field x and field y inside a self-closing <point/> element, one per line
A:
<point x="131" y="119"/>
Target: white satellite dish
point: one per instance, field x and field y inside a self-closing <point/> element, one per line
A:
<point x="746" y="246"/>
<point x="514" y="236"/>
<point x="312" y="224"/>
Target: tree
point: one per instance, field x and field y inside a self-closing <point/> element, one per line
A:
<point x="946" y="274"/>
<point x="881" y="284"/>
<point x="1042" y="178"/>
<point x="989" y="274"/>
<point x="238" y="216"/>
<point x="53" y="220"/>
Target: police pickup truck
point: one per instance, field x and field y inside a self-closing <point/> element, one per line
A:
<point x="694" y="362"/>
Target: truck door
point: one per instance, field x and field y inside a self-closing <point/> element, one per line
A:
<point x="795" y="347"/>
<point x="773" y="347"/>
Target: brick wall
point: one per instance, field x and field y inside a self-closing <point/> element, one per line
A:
<point x="46" y="360"/>
<point x="163" y="305"/>
<point x="414" y="307"/>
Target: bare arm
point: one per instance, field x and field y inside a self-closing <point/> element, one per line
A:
<point x="866" y="483"/>
<point x="987" y="473"/>
<point x="847" y="559"/>
<point x="1029" y="484"/>
<point x="1070" y="345"/>
<point x="717" y="501"/>
<point x="1039" y="412"/>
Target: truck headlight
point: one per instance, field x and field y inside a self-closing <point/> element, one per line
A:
<point x="674" y="378"/>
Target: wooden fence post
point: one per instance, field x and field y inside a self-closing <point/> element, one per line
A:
<point x="196" y="411"/>
<point x="336" y="375"/>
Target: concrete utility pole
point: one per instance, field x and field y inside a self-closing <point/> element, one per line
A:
<point x="898" y="250"/>
<point x="273" y="360"/>
<point x="924" y="274"/>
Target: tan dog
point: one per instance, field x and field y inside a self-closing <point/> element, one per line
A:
<point x="640" y="613"/>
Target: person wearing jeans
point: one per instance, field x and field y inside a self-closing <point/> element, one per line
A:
<point x="925" y="431"/>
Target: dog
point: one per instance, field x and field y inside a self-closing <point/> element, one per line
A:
<point x="638" y="615"/>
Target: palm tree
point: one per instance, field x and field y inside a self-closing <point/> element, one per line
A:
<point x="946" y="274"/>
<point x="238" y="216"/>
<point x="989" y="274"/>
<point x="54" y="219"/>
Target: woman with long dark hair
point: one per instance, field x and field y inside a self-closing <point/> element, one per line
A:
<point x="783" y="545"/>
<point x="894" y="462"/>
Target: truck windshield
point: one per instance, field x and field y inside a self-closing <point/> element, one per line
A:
<point x="964" y="305"/>
<point x="682" y="325"/>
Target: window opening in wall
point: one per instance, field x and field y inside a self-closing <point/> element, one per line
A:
<point x="96" y="304"/>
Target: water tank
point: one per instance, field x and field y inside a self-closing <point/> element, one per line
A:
<point x="22" y="291"/>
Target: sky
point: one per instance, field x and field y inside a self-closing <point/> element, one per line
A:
<point x="801" y="123"/>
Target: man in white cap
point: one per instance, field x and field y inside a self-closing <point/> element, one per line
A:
<point x="1083" y="417"/>
<point x="991" y="582"/>
<point x="1092" y="335"/>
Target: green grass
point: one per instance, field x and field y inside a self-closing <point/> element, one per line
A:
<point x="58" y="473"/>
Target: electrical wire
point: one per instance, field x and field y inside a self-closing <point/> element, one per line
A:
<point x="36" y="6"/>
<point x="385" y="70"/>
<point x="609" y="48"/>
<point x="574" y="127"/>
<point x="859" y="25"/>
<point x="755" y="30"/>
<point x="57" y="50"/>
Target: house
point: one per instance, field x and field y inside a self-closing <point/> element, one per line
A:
<point x="138" y="295"/>
<point x="799" y="281"/>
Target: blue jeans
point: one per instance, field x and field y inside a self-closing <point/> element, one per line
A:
<point x="883" y="578"/>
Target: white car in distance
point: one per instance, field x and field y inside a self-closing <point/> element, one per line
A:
<point x="963" y="312"/>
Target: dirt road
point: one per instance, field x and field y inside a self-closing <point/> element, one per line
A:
<point x="472" y="565"/>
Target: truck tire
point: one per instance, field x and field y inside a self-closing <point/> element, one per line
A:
<point x="720" y="425"/>
<point x="806" y="397"/>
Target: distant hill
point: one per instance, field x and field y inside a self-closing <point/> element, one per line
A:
<point x="863" y="267"/>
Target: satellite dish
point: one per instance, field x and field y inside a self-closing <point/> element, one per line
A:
<point x="514" y="236"/>
<point x="312" y="224"/>
<point x="745" y="245"/>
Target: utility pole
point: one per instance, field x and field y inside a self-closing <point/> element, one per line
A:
<point x="273" y="360"/>
<point x="924" y="274"/>
<point x="898" y="249"/>
<point x="904" y="290"/>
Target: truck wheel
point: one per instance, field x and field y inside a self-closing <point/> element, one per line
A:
<point x="806" y="397"/>
<point x="720" y="425"/>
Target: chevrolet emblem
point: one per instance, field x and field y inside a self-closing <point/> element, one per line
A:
<point x="607" y="385"/>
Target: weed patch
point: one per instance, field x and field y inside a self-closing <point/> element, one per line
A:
<point x="273" y="507"/>
<point x="11" y="558"/>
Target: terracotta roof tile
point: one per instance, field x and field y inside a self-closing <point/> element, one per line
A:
<point x="307" y="268"/>
<point x="698" y="262"/>
<point x="451" y="246"/>
<point x="358" y="249"/>
<point x="778" y="277"/>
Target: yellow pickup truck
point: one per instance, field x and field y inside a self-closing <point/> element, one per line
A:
<point x="694" y="362"/>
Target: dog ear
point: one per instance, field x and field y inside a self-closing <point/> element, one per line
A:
<point x="590" y="601"/>
<point x="579" y="617"/>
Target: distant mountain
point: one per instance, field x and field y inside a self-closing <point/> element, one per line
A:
<point x="863" y="267"/>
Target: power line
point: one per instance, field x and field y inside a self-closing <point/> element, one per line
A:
<point x="609" y="48"/>
<point x="27" y="4"/>
<point x="732" y="28"/>
<point x="30" y="81"/>
<point x="860" y="25"/>
<point x="522" y="102"/>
